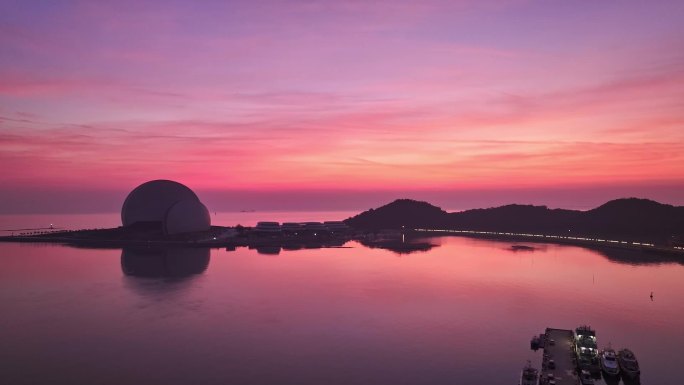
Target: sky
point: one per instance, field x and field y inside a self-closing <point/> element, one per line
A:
<point x="299" y="105"/>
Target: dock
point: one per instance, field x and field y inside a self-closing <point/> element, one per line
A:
<point x="558" y="362"/>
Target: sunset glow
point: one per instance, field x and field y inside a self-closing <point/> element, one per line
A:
<point x="439" y="100"/>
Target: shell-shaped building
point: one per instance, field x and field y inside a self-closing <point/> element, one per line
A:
<point x="173" y="205"/>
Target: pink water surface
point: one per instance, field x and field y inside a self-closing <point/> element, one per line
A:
<point x="10" y="222"/>
<point x="462" y="312"/>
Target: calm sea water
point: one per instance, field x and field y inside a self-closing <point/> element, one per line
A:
<point x="462" y="312"/>
<point x="10" y="223"/>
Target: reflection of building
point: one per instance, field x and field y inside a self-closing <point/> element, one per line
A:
<point x="172" y="205"/>
<point x="268" y="250"/>
<point x="160" y="262"/>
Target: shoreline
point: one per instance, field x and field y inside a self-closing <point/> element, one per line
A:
<point x="231" y="242"/>
<point x="592" y="243"/>
<point x="214" y="239"/>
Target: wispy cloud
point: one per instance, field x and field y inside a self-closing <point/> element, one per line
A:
<point x="363" y="95"/>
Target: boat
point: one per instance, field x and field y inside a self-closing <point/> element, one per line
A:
<point x="628" y="363"/>
<point x="535" y="343"/>
<point x="609" y="363"/>
<point x="529" y="375"/>
<point x="586" y="349"/>
<point x="585" y="378"/>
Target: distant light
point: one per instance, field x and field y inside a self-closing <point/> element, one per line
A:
<point x="214" y="238"/>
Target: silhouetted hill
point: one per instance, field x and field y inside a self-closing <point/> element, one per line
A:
<point x="514" y="217"/>
<point x="401" y="212"/>
<point x="632" y="218"/>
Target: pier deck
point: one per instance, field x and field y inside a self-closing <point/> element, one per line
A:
<point x="558" y="346"/>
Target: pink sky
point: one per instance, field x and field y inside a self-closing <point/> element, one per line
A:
<point x="341" y="105"/>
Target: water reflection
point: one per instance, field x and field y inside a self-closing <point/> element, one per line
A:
<point x="401" y="245"/>
<point x="164" y="262"/>
<point x="276" y="246"/>
<point x="617" y="255"/>
<point x="330" y="316"/>
<point x="525" y="248"/>
<point x="636" y="257"/>
<point x="268" y="250"/>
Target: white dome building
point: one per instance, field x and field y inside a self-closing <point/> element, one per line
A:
<point x="173" y="205"/>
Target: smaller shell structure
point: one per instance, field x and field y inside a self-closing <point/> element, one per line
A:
<point x="187" y="216"/>
<point x="173" y="205"/>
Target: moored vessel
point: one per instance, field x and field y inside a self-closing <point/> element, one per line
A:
<point x="585" y="378"/>
<point x="535" y="343"/>
<point x="586" y="349"/>
<point x="609" y="363"/>
<point x="628" y="363"/>
<point x="529" y="375"/>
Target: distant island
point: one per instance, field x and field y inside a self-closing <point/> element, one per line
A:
<point x="401" y="226"/>
<point x="634" y="219"/>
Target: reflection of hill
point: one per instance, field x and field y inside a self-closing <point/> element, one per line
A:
<point x="636" y="257"/>
<point x="523" y="248"/>
<point x="160" y="262"/>
<point x="397" y="246"/>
